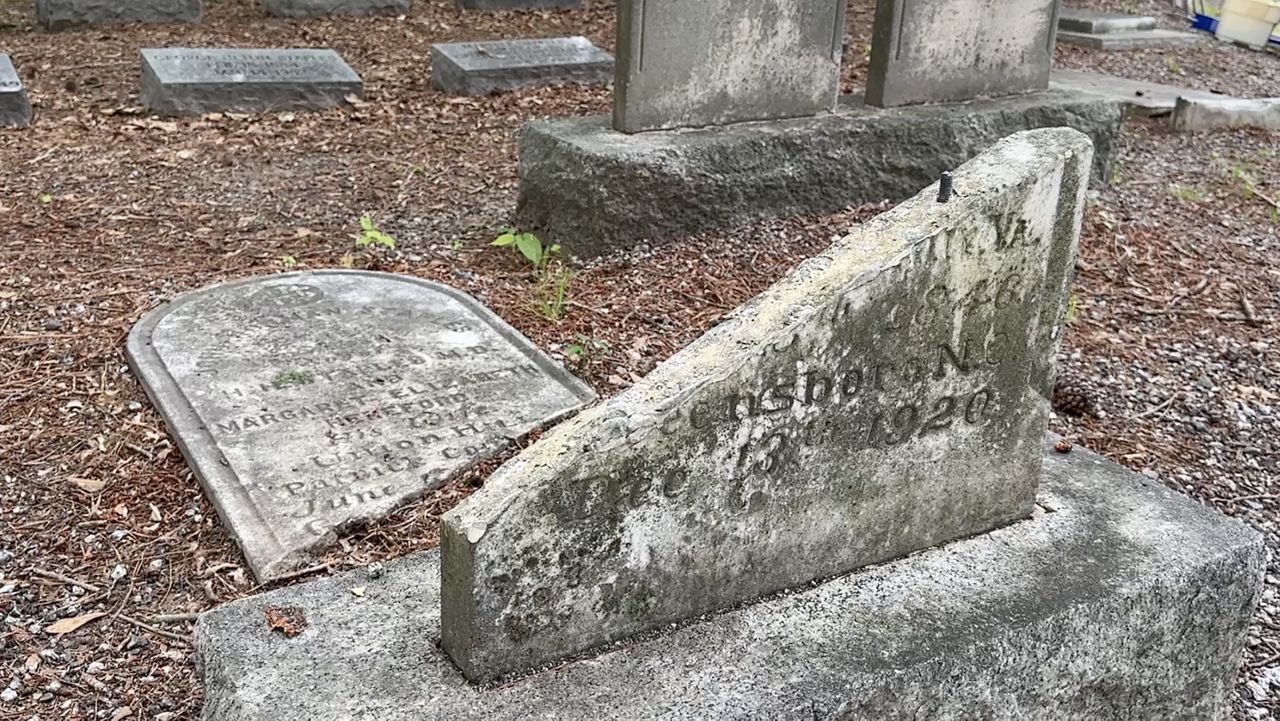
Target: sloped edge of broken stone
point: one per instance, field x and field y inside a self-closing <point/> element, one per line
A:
<point x="267" y="557"/>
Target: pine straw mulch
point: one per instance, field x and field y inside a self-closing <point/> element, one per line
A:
<point x="110" y="212"/>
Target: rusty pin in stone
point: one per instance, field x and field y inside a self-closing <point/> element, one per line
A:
<point x="944" y="187"/>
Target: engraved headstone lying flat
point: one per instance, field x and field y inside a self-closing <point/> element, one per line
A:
<point x="306" y="402"/>
<point x="194" y="81"/>
<point x="712" y="62"/>
<point x="15" y="110"/>
<point x="887" y="396"/>
<point x="517" y="4"/>
<point x="317" y="8"/>
<point x="934" y="51"/>
<point x="484" y="67"/>
<point x="59" y="14"/>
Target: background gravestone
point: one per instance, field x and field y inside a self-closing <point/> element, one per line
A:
<point x="317" y="8"/>
<point x="59" y="14"/>
<point x="937" y="51"/>
<point x="305" y="402"/>
<point x="15" y="110"/>
<point x="712" y="62"/>
<point x="194" y="81"/>
<point x="888" y="396"/>
<point x="480" y="68"/>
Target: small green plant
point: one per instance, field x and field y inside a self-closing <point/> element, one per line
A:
<point x="1173" y="66"/>
<point x="370" y="236"/>
<point x="1073" y="309"/>
<point x="45" y="198"/>
<point x="1186" y="193"/>
<point x="288" y="262"/>
<point x="456" y="244"/>
<point x="1242" y="174"/>
<point x="551" y="276"/>
<point x="585" y="350"/>
<point x="1117" y="173"/>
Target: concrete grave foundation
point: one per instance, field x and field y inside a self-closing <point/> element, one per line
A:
<point x="60" y="14"/>
<point x="593" y="190"/>
<point x="1119" y="600"/>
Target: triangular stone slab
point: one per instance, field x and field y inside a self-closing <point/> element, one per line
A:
<point x="306" y="402"/>
<point x="887" y="396"/>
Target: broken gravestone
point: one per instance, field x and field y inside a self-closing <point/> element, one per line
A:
<point x="886" y="397"/>
<point x="306" y="402"/>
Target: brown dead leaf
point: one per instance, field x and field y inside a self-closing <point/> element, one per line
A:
<point x="88" y="485"/>
<point x="67" y="625"/>
<point x="288" y="620"/>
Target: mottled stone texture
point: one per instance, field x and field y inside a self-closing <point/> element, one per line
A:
<point x="885" y="397"/>
<point x="309" y="402"/>
<point x="485" y="67"/>
<point x="593" y="190"/>
<point x="1192" y="114"/>
<point x="316" y="8"/>
<point x="194" y="81"/>
<point x="1125" y="602"/>
<point x="60" y="14"/>
<point x="15" y="110"/>
<point x="712" y="62"/>
<point x="936" y="51"/>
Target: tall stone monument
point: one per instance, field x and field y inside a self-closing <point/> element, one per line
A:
<point x="703" y="69"/>
<point x="683" y="551"/>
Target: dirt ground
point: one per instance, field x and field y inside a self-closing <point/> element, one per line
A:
<point x="108" y="212"/>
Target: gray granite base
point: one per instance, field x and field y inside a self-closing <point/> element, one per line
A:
<point x="593" y="189"/>
<point x="1122" y="600"/>
<point x="61" y="14"/>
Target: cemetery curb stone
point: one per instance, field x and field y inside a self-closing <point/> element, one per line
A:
<point x="1081" y="20"/>
<point x="245" y="474"/>
<point x="191" y="81"/>
<point x="480" y="68"/>
<point x="593" y="190"/>
<point x="886" y="396"/>
<point x="1137" y="97"/>
<point x="15" y="109"/>
<point x="1095" y="610"/>
<point x="321" y="8"/>
<point x="61" y="14"/>
<point x="1192" y="114"/>
<point x="1130" y="40"/>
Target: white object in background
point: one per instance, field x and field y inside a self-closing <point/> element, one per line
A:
<point x="1249" y="22"/>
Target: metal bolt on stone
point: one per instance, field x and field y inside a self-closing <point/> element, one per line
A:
<point x="944" y="187"/>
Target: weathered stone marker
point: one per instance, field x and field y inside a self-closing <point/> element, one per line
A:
<point x="887" y="396"/>
<point x="934" y="51"/>
<point x="319" y="8"/>
<point x="15" y="109"/>
<point x="484" y="67"/>
<point x="193" y="81"/>
<point x="308" y="401"/>
<point x="691" y="64"/>
<point x="60" y="14"/>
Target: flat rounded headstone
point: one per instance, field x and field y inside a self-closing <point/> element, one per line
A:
<point x="307" y="402"/>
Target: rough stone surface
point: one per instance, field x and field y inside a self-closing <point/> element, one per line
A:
<point x="592" y="190"/>
<point x="307" y="401"/>
<point x="317" y="8"/>
<point x="1082" y="20"/>
<point x="484" y="67"/>
<point x="1128" y="601"/>
<point x="935" y="51"/>
<point x="59" y="14"/>
<point x="15" y="110"/>
<point x="1137" y="96"/>
<point x="517" y="4"/>
<point x="194" y="81"/>
<point x="1130" y="40"/>
<point x="713" y="62"/>
<point x="1212" y="114"/>
<point x="887" y="396"/>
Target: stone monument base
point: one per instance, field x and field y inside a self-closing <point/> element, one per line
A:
<point x="1119" y="600"/>
<point x="593" y="189"/>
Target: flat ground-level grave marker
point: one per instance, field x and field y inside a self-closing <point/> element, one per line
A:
<point x="309" y="401"/>
<point x="484" y="67"/>
<point x="194" y="81"/>
<point x="15" y="109"/>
